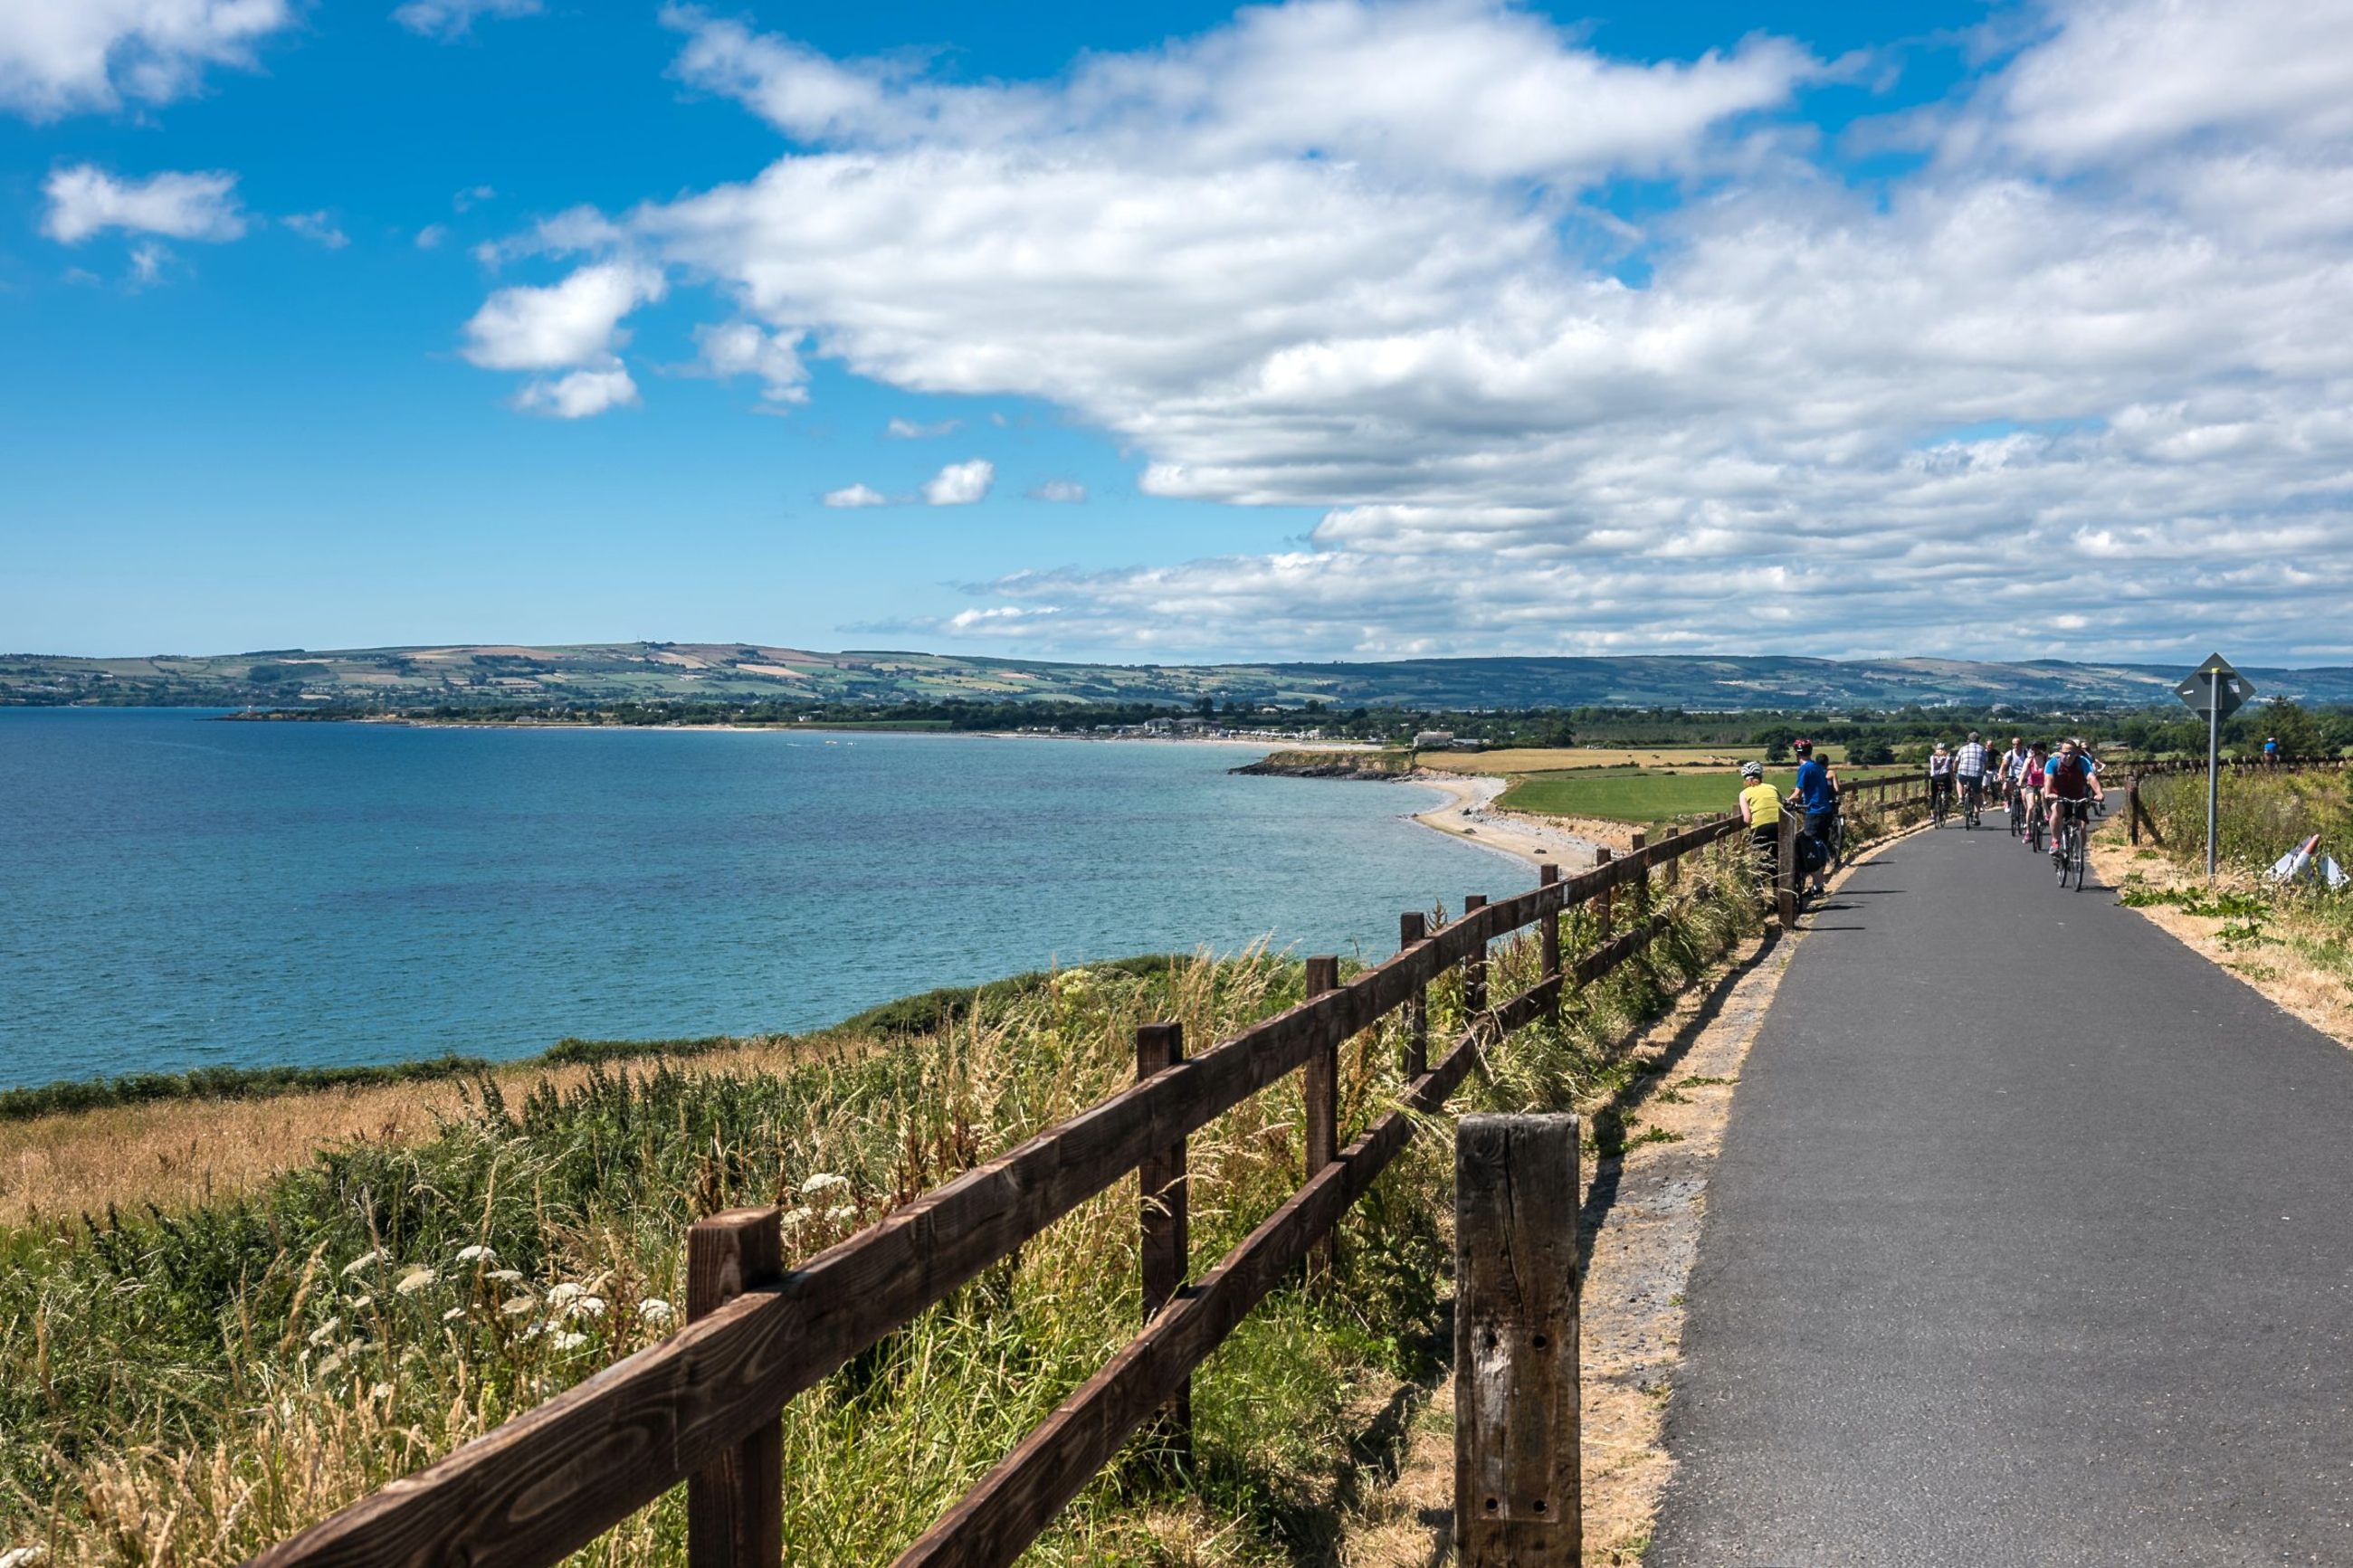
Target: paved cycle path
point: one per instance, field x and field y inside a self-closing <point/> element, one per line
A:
<point x="2031" y="1243"/>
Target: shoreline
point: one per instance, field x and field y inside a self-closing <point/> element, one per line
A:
<point x="1469" y="812"/>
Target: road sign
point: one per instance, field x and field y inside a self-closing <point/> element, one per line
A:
<point x="2215" y="689"/>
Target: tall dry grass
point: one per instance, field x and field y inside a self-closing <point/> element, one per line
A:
<point x="183" y="1387"/>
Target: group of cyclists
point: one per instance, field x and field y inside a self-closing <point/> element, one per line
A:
<point x="2050" y="794"/>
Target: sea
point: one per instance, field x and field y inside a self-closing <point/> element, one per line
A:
<point x="179" y="892"/>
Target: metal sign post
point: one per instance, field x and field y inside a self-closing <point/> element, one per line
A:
<point x="2217" y="690"/>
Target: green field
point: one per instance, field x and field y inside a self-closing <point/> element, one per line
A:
<point x="1645" y="794"/>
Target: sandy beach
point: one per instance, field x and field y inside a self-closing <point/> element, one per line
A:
<point x="1469" y="813"/>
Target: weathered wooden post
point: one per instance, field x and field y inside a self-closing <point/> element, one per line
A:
<point x="1165" y="1220"/>
<point x="735" y="1505"/>
<point x="1548" y="942"/>
<point x="1605" y="903"/>
<point x="1413" y="927"/>
<point x="1517" y="1497"/>
<point x="1674" y="863"/>
<point x="2132" y="807"/>
<point x="1322" y="1093"/>
<point x="1474" y="964"/>
<point x="1641" y="877"/>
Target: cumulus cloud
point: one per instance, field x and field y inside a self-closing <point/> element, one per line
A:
<point x="908" y="430"/>
<point x="528" y="328"/>
<point x="960" y="484"/>
<point x="580" y="394"/>
<point x="742" y="348"/>
<point x="452" y="19"/>
<point x="59" y="57"/>
<point x="1069" y="491"/>
<point x="432" y="237"/>
<point x="856" y="496"/>
<point x="319" y="227"/>
<point x="1339" y="255"/>
<point x="85" y="200"/>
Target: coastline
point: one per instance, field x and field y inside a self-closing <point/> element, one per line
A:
<point x="1470" y="814"/>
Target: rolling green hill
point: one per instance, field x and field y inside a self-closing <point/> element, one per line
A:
<point x="492" y="675"/>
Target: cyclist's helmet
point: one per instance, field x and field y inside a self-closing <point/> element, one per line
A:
<point x="1752" y="770"/>
<point x="1802" y="745"/>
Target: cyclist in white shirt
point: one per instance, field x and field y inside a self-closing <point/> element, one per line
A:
<point x="1969" y="767"/>
<point x="1940" y="776"/>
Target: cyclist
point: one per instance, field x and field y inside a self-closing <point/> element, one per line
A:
<point x="2071" y="784"/>
<point x="1940" y="781"/>
<point x="2013" y="763"/>
<point x="2034" y="784"/>
<point x="1970" y="768"/>
<point x="1760" y="808"/>
<point x="1817" y="796"/>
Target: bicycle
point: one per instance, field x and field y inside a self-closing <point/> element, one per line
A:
<point x="1972" y="802"/>
<point x="2017" y="812"/>
<point x="2074" y="829"/>
<point x="1940" y="799"/>
<point x="2037" y="818"/>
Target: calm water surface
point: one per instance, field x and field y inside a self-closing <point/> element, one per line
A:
<point x="178" y="892"/>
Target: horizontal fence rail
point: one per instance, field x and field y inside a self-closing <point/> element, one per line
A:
<point x="699" y="1406"/>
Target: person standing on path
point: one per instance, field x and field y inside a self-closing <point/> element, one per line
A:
<point x="1817" y="796"/>
<point x="1760" y="808"/>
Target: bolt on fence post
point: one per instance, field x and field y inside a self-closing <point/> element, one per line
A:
<point x="1164" y="1221"/>
<point x="1474" y="964"/>
<point x="736" y="1504"/>
<point x="1518" y="1502"/>
<point x="1548" y="939"/>
<point x="1323" y="1095"/>
<point x="1413" y="927"/>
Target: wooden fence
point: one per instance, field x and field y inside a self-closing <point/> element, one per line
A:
<point x="2137" y="820"/>
<point x="702" y="1408"/>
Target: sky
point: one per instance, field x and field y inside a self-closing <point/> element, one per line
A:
<point x="1177" y="332"/>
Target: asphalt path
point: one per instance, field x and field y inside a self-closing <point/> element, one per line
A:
<point x="2031" y="1243"/>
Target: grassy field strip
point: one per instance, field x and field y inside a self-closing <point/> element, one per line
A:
<point x="1647" y="794"/>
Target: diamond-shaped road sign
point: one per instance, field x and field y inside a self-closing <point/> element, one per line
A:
<point x="2215" y="686"/>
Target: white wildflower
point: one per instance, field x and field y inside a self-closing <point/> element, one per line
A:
<point x="505" y="1276"/>
<point x="585" y="1306"/>
<point x="364" y="1260"/>
<point x="793" y="1219"/>
<point x="518" y="1306"/>
<point x="840" y="1212"/>
<point x="453" y="1314"/>
<point x="559" y="1294"/>
<point x="381" y="1390"/>
<point x="823" y="1180"/>
<point x="477" y="1255"/>
<point x="360" y="1303"/>
<point x="654" y="1310"/>
<point x="325" y="1331"/>
<point x="568" y="1340"/>
<point x="23" y="1556"/>
<point x="416" y="1279"/>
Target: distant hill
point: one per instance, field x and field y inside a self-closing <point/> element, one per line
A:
<point x="488" y="675"/>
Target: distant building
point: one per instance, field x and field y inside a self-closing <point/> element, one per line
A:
<point x="1466" y="745"/>
<point x="1433" y="741"/>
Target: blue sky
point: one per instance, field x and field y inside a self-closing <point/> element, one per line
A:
<point x="1363" y="330"/>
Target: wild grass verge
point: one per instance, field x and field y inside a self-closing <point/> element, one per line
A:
<point x="183" y="1387"/>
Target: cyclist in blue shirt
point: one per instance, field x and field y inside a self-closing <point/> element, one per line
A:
<point x="1817" y="796"/>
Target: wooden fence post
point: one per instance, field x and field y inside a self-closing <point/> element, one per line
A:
<point x="1165" y="1220"/>
<point x="1474" y="965"/>
<point x="1517" y="1497"/>
<point x="1642" y="878"/>
<point x="735" y="1505"/>
<point x="1323" y="1094"/>
<point x="1413" y="926"/>
<point x="1605" y="904"/>
<point x="1548" y="943"/>
<point x="1674" y="867"/>
<point x="2132" y="807"/>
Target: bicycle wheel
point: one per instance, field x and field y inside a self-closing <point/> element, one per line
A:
<point x="2065" y="855"/>
<point x="2083" y="853"/>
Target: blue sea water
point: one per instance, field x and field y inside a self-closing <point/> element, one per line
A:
<point x="178" y="892"/>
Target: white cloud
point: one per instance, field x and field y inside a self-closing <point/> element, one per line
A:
<point x="432" y="237"/>
<point x="908" y="430"/>
<point x="317" y="227"/>
<point x="742" y="348"/>
<point x="452" y="19"/>
<point x="567" y="323"/>
<point x="472" y="196"/>
<point x="580" y="394"/>
<point x="57" y="57"/>
<point x="856" y="496"/>
<point x="148" y="260"/>
<point x="85" y="200"/>
<point x="960" y="484"/>
<point x="1064" y="490"/>
<point x="2088" y="361"/>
